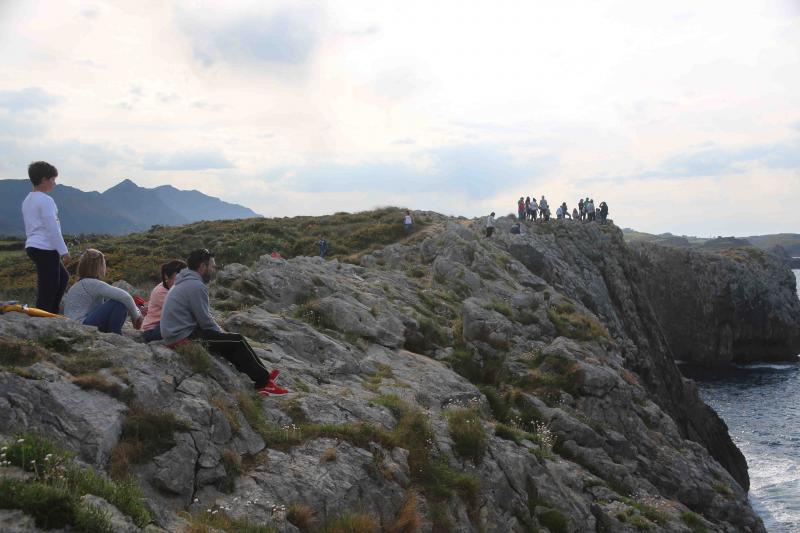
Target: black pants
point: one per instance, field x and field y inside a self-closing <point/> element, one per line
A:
<point x="51" y="280"/>
<point x="489" y="231"/>
<point x="235" y="349"/>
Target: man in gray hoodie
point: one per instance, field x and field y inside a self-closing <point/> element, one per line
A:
<point x="186" y="315"/>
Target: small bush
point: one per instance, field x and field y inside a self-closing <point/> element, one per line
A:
<point x="301" y="516"/>
<point x="196" y="356"/>
<point x="501" y="307"/>
<point x="569" y="323"/>
<point x="408" y="519"/>
<point x="554" y="520"/>
<point x="352" y="523"/>
<point x="329" y="455"/>
<point x="50" y="507"/>
<point x="90" y="519"/>
<point x="694" y="522"/>
<point x="144" y="435"/>
<point x="469" y="437"/>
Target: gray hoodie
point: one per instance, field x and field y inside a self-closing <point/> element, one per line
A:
<point x="186" y="308"/>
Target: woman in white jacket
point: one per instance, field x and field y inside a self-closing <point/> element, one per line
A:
<point x="94" y="302"/>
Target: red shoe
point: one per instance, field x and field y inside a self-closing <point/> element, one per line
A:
<point x="262" y="391"/>
<point x="274" y="374"/>
<point x="272" y="388"/>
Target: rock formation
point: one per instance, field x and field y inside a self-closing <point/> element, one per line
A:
<point x="739" y="305"/>
<point x="447" y="383"/>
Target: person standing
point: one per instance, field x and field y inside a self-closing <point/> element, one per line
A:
<point x="323" y="246"/>
<point x="590" y="213"/>
<point x="44" y="243"/>
<point x="521" y="208"/>
<point x="490" y="224"/>
<point x="534" y="208"/>
<point x="186" y="315"/>
<point x="408" y="223"/>
<point x="581" y="208"/>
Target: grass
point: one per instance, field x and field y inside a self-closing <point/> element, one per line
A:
<point x="476" y="369"/>
<point x="101" y="384"/>
<point x="554" y="520"/>
<point x="352" y="523"/>
<point x="84" y="363"/>
<point x="137" y="257"/>
<point x="408" y="519"/>
<point x="373" y="382"/>
<point x="570" y="323"/>
<point x="302" y="517"/>
<point x="721" y="488"/>
<point x="15" y="353"/>
<point x="52" y="497"/>
<point x="212" y="522"/>
<point x="144" y="435"/>
<point x="693" y="522"/>
<point x="196" y="356"/>
<point x="500" y="306"/>
<point x="469" y="436"/>
<point x="551" y="374"/>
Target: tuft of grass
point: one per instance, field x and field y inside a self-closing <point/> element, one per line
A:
<point x="302" y="517"/>
<point x="554" y="520"/>
<point x="14" y="353"/>
<point x="232" y="463"/>
<point x="552" y="374"/>
<point x="570" y="323"/>
<point x="101" y="384"/>
<point x="693" y="522"/>
<point x="207" y="522"/>
<point x="229" y="412"/>
<point x="477" y="370"/>
<point x="721" y="488"/>
<point x="373" y="382"/>
<point x="144" y="435"/>
<point x="500" y="306"/>
<point x="60" y="482"/>
<point x="85" y="363"/>
<point x="408" y="519"/>
<point x="196" y="356"/>
<point x="352" y="523"/>
<point x="329" y="455"/>
<point x="469" y="437"/>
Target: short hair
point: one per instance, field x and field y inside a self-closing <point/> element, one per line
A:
<point x="168" y="269"/>
<point x="198" y="257"/>
<point x="40" y="170"/>
<point x="90" y="264"/>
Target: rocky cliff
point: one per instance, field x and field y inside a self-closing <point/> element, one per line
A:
<point x="739" y="305"/>
<point x="447" y="383"/>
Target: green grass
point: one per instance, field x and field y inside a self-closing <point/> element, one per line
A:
<point x="554" y="520"/>
<point x="52" y="496"/>
<point x="145" y="434"/>
<point x="196" y="356"/>
<point x="137" y="257"/>
<point x="207" y="522"/>
<point x="694" y="522"/>
<point x="570" y="323"/>
<point x="501" y="307"/>
<point x="16" y="353"/>
<point x="469" y="436"/>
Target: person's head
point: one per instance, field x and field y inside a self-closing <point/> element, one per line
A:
<point x="492" y="214"/>
<point x="169" y="271"/>
<point x="202" y="262"/>
<point x="92" y="264"/>
<point x="43" y="175"/>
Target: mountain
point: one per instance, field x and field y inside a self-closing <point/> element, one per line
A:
<point x="122" y="209"/>
<point x="788" y="241"/>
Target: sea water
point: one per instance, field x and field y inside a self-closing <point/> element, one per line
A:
<point x="760" y="403"/>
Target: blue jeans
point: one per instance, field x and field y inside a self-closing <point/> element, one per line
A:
<point x="108" y="318"/>
<point x="154" y="334"/>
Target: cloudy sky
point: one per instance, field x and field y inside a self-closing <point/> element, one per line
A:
<point x="683" y="115"/>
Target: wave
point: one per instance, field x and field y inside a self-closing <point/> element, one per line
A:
<point x="771" y="366"/>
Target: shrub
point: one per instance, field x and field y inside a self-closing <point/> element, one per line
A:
<point x="408" y="519"/>
<point x="196" y="356"/>
<point x="301" y="516"/>
<point x="570" y="323"/>
<point x="554" y="520"/>
<point x="469" y="437"/>
<point x="330" y="454"/>
<point x="144" y="435"/>
<point x="50" y="507"/>
<point x="501" y="307"/>
<point x="694" y="522"/>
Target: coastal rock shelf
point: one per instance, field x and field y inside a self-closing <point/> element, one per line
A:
<point x="446" y="383"/>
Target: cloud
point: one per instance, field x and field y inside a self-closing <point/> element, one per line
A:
<point x="193" y="160"/>
<point x="713" y="160"/>
<point x="287" y="36"/>
<point x="27" y="99"/>
<point x="474" y="171"/>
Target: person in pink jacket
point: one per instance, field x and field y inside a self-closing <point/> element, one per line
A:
<point x="151" y="328"/>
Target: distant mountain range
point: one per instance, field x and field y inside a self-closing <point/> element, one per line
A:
<point x="124" y="208"/>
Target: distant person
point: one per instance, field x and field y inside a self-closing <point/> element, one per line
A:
<point x="581" y="209"/>
<point x="586" y="208"/>
<point x="515" y="229"/>
<point x="323" y="246"/>
<point x="560" y="213"/>
<point x="521" y="208"/>
<point x="527" y="207"/>
<point x="544" y="209"/>
<point x="590" y="210"/>
<point x="93" y="302"/>
<point x="603" y="212"/>
<point x="408" y="223"/>
<point x="186" y="315"/>
<point x="151" y="328"/>
<point x="575" y="214"/>
<point x="275" y="254"/>
<point x="44" y="244"/>
<point x="534" y="208"/>
<point x="565" y="210"/>
<point x="490" y="224"/>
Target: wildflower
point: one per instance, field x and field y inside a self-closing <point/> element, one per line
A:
<point x="20" y="441"/>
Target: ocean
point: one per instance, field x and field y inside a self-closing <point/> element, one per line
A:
<point x="760" y="403"/>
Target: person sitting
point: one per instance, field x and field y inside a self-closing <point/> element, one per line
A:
<point x="575" y="215"/>
<point x="186" y="315"/>
<point x="94" y="302"/>
<point x="515" y="229"/>
<point x="151" y="328"/>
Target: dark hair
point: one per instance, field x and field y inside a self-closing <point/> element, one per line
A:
<point x="168" y="269"/>
<point x="39" y="170"/>
<point x="198" y="257"/>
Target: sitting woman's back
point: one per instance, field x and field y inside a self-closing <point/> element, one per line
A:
<point x="94" y="302"/>
<point x="151" y="327"/>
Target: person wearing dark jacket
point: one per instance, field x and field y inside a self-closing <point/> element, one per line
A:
<point x="186" y="315"/>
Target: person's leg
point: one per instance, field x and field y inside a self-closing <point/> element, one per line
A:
<point x="108" y="318"/>
<point x="63" y="279"/>
<point x="153" y="334"/>
<point x="235" y="349"/>
<point x="47" y="277"/>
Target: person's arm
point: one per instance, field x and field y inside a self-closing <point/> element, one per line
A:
<point x="113" y="293"/>
<point x="48" y="214"/>
<point x="202" y="313"/>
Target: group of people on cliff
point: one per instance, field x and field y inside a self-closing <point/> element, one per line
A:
<point x="529" y="209"/>
<point x="178" y="310"/>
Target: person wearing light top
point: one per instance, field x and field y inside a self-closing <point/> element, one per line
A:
<point x="490" y="224"/>
<point x="96" y="303"/>
<point x="408" y="223"/>
<point x="151" y="328"/>
<point x="44" y="244"/>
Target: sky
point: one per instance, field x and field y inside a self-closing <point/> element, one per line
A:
<point x="684" y="116"/>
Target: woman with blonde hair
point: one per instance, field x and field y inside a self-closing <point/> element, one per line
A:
<point x="94" y="302"/>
